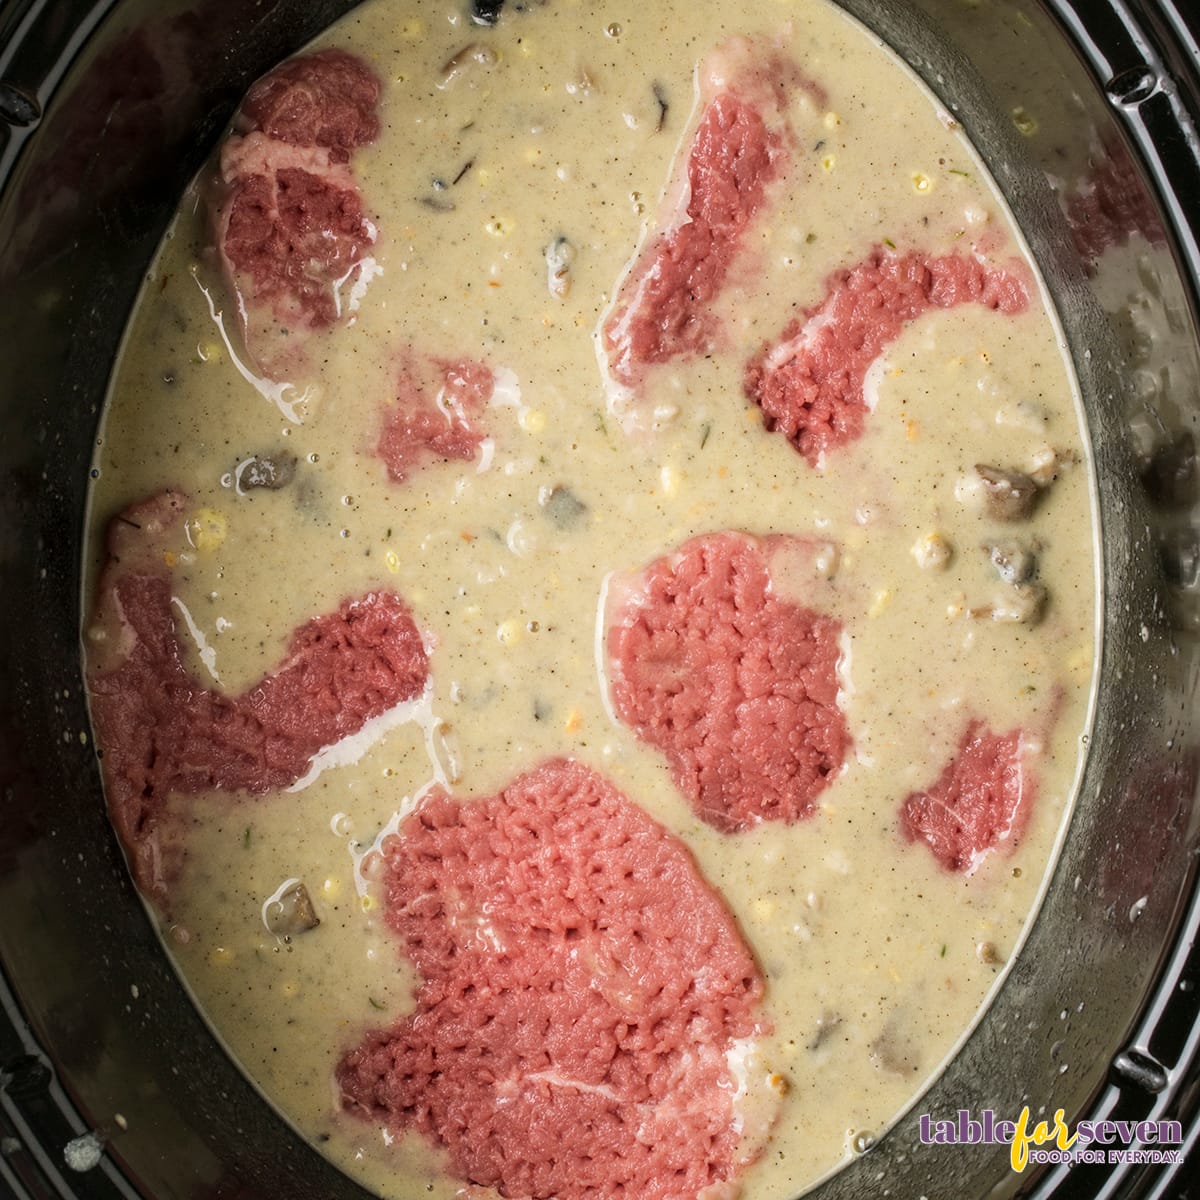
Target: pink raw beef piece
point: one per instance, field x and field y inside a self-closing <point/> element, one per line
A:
<point x="160" y="731"/>
<point x="663" y="307"/>
<point x="291" y="229"/>
<point x="324" y="99"/>
<point x="736" y="685"/>
<point x="809" y="384"/>
<point x="979" y="803"/>
<point x="583" y="990"/>
<point x="437" y="415"/>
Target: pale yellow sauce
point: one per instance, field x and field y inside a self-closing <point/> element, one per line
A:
<point x="876" y="958"/>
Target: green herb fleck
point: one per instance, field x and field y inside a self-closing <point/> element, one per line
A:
<point x="889" y="243"/>
<point x="601" y="427"/>
<point x="705" y="431"/>
<point x="943" y="950"/>
<point x="246" y="839"/>
<point x="960" y="174"/>
<point x="376" y="1004"/>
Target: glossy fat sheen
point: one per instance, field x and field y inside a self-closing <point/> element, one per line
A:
<point x="876" y="958"/>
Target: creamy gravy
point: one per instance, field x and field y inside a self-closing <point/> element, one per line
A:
<point x="877" y="960"/>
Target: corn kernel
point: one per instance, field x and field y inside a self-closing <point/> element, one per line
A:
<point x="508" y="632"/>
<point x="368" y="903"/>
<point x="532" y="420"/>
<point x="331" y="889"/>
<point x="392" y="561"/>
<point x="828" y="162"/>
<point x="670" y="480"/>
<point x="764" y="909"/>
<point x="832" y="120"/>
<point x="209" y="352"/>
<point x="883" y="598"/>
<point x="779" y="1083"/>
<point x="220" y="956"/>
<point x="574" y="721"/>
<point x="922" y="183"/>
<point x="207" y="529"/>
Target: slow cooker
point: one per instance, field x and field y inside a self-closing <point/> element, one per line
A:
<point x="111" y="1083"/>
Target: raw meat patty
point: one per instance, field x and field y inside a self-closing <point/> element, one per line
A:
<point x="809" y="384"/>
<point x="980" y="801"/>
<point x="290" y="224"/>
<point x="325" y="99"/>
<point x="735" y="685"/>
<point x="584" y="1003"/>
<point x="422" y="428"/>
<point x="662" y="309"/>
<point x="160" y="731"/>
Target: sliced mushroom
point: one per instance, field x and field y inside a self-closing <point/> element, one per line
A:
<point x="559" y="256"/>
<point x="563" y="507"/>
<point x="1008" y="495"/>
<point x="827" y="1022"/>
<point x="272" y="472"/>
<point x="987" y="953"/>
<point x="436" y="203"/>
<point x="1015" y="562"/>
<point x="895" y="1050"/>
<point x="471" y="55"/>
<point x="664" y="106"/>
<point x="290" y="911"/>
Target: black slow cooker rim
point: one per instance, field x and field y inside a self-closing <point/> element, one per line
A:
<point x="1145" y="59"/>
